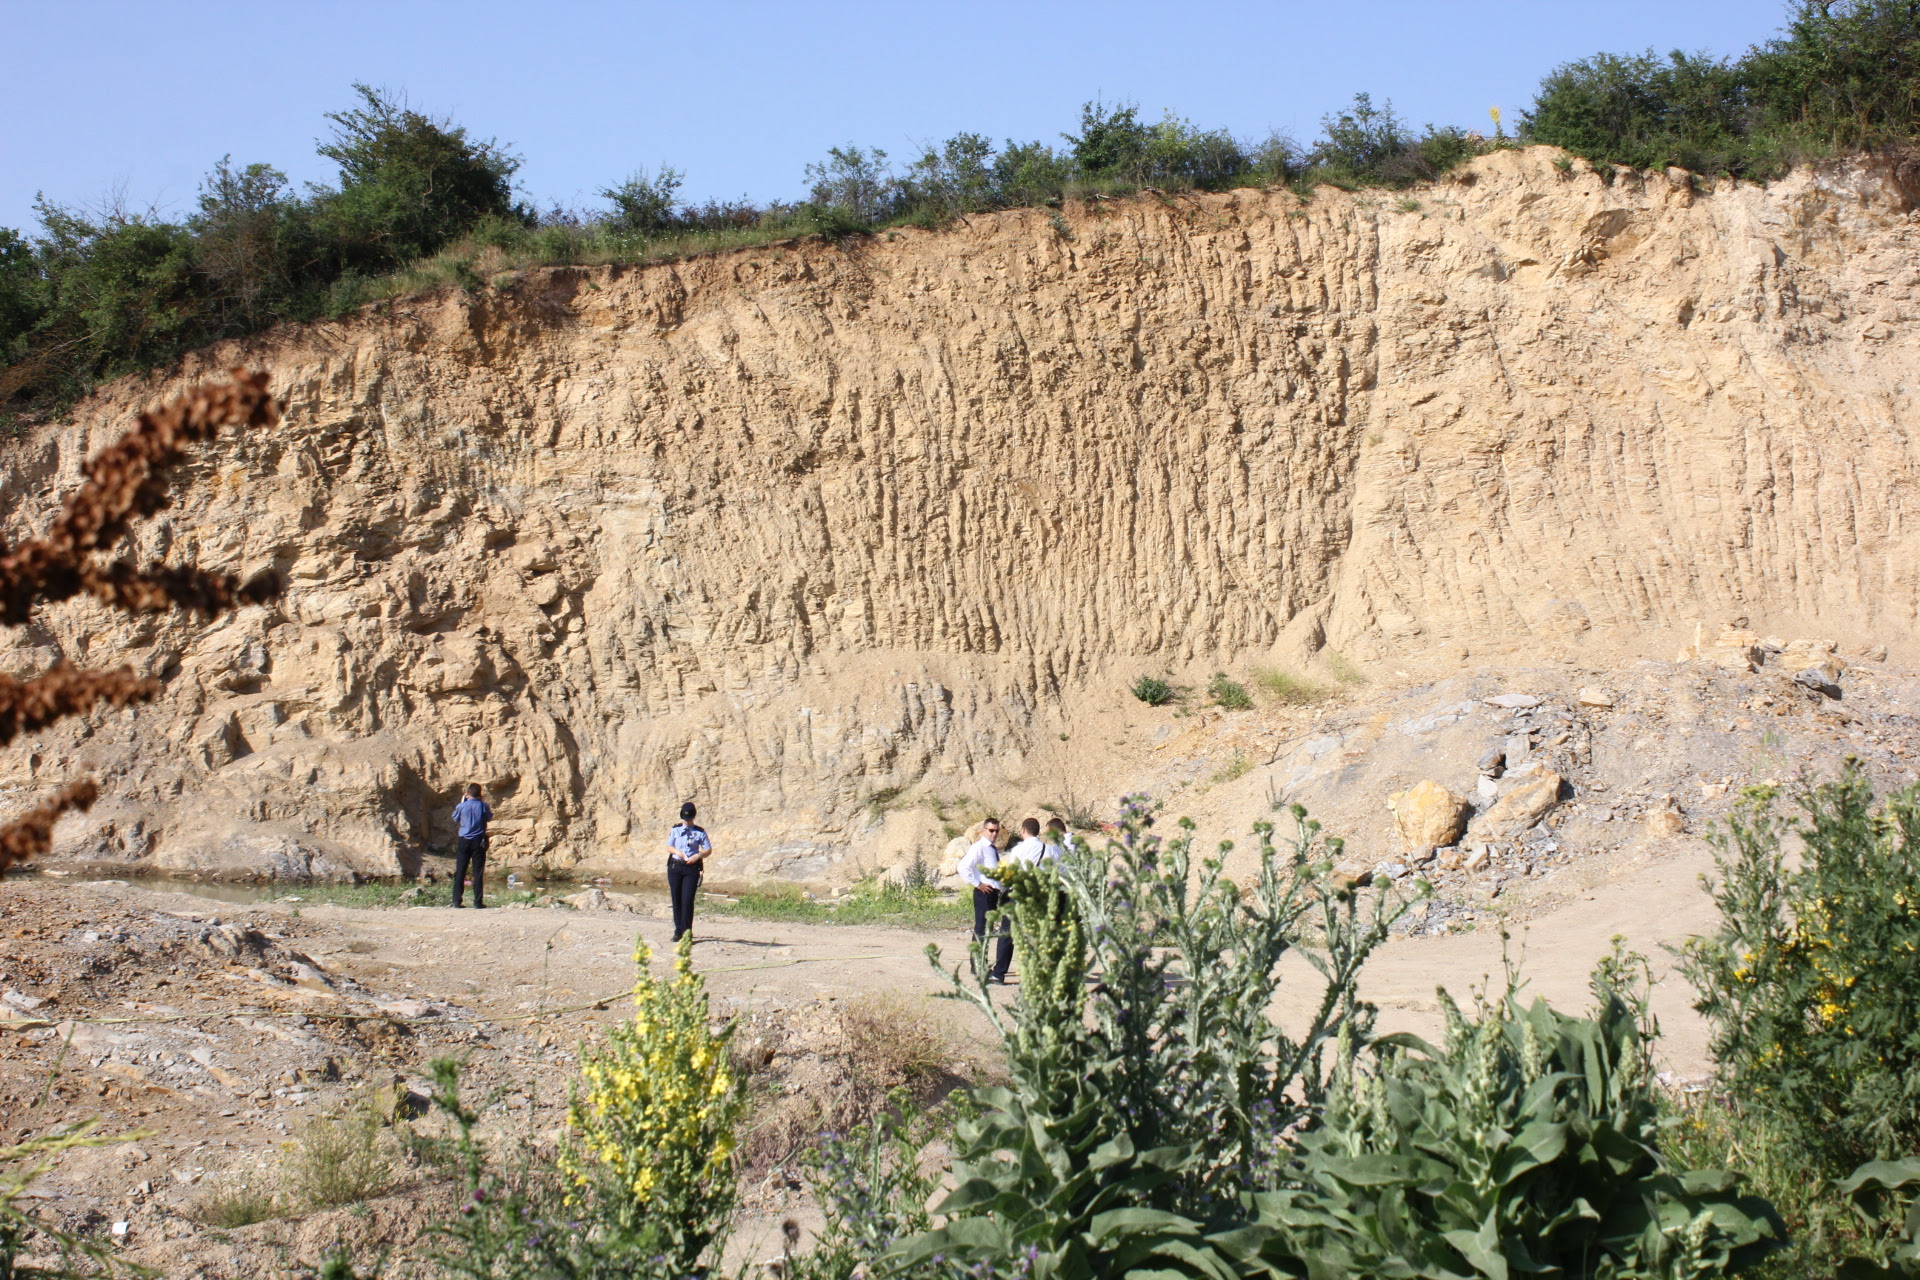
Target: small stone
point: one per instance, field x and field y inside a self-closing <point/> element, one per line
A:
<point x="1391" y="870"/>
<point x="1821" y="677"/>
<point x="1478" y="858"/>
<point x="1347" y="878"/>
<point x="1422" y="856"/>
<point x="1519" y="748"/>
<point x="1665" y="820"/>
<point x="1492" y="761"/>
<point x="1487" y="789"/>
<point x="120" y="1228"/>
<point x="1594" y="696"/>
<point x="1878" y="653"/>
<point x="1513" y="701"/>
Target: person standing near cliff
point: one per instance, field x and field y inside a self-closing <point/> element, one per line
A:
<point x="980" y="858"/>
<point x="687" y="850"/>
<point x="470" y="847"/>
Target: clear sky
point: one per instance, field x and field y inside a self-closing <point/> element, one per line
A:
<point x="144" y="97"/>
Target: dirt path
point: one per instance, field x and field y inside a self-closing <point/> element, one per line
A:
<point x="220" y="1030"/>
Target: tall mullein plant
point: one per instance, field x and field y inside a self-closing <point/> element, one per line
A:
<point x="1142" y="1057"/>
<point x="1188" y="964"/>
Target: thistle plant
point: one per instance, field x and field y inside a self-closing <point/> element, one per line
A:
<point x="871" y="1191"/>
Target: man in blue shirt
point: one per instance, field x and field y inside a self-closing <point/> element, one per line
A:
<point x="472" y="814"/>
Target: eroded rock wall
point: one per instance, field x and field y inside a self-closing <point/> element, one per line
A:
<point x="789" y="527"/>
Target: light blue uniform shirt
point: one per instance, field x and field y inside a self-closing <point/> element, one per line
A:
<point x="687" y="841"/>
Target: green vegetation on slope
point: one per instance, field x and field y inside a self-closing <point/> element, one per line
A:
<point x="102" y="292"/>
<point x="1844" y="76"/>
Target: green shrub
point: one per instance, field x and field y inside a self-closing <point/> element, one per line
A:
<point x="1367" y="145"/>
<point x="1845" y="74"/>
<point x="1228" y="693"/>
<point x="1529" y="1141"/>
<point x="1646" y="111"/>
<point x="1153" y="691"/>
<point x="643" y="204"/>
<point x="1808" y="983"/>
<point x="1885" y="1196"/>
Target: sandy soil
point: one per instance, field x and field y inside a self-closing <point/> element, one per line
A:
<point x="217" y="1030"/>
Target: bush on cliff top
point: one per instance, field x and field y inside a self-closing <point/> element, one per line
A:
<point x="1845" y="75"/>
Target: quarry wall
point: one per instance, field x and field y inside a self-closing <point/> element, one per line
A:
<point x="786" y="528"/>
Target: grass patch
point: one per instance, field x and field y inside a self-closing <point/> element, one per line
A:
<point x="1342" y="668"/>
<point x="362" y="895"/>
<point x="1822" y="1231"/>
<point x="871" y="903"/>
<point x="339" y="1160"/>
<point x="893" y="1043"/>
<point x="239" y="1197"/>
<point x="1288" y="689"/>
<point x="1238" y="767"/>
<point x="1228" y="693"/>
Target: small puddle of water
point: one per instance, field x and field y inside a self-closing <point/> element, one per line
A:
<point x="246" y="894"/>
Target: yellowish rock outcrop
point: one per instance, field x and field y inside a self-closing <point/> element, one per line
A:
<point x="783" y="528"/>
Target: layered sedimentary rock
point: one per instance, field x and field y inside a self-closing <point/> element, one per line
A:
<point x="788" y="527"/>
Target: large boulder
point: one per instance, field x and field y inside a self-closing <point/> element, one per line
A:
<point x="1427" y="815"/>
<point x="1520" y="809"/>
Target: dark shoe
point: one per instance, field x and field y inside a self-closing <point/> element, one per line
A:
<point x="458" y="905"/>
<point x="479" y="906"/>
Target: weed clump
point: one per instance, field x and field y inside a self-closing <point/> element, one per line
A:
<point x="238" y="1197"/>
<point x="339" y="1160"/>
<point x="1153" y="691"/>
<point x="1228" y="693"/>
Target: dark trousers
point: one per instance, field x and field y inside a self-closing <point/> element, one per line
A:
<point x="682" y="881"/>
<point x="469" y="851"/>
<point x="986" y="901"/>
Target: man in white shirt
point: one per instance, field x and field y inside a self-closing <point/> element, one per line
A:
<point x="1032" y="850"/>
<point x="980" y="858"/>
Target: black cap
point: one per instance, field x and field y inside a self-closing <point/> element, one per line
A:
<point x="687" y="812"/>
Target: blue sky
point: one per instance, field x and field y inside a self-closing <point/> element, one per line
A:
<point x="145" y="97"/>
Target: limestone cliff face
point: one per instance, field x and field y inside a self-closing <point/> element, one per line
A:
<point x="785" y="528"/>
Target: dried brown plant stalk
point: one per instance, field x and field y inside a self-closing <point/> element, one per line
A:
<point x="126" y="480"/>
<point x="26" y="705"/>
<point x="33" y="834"/>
